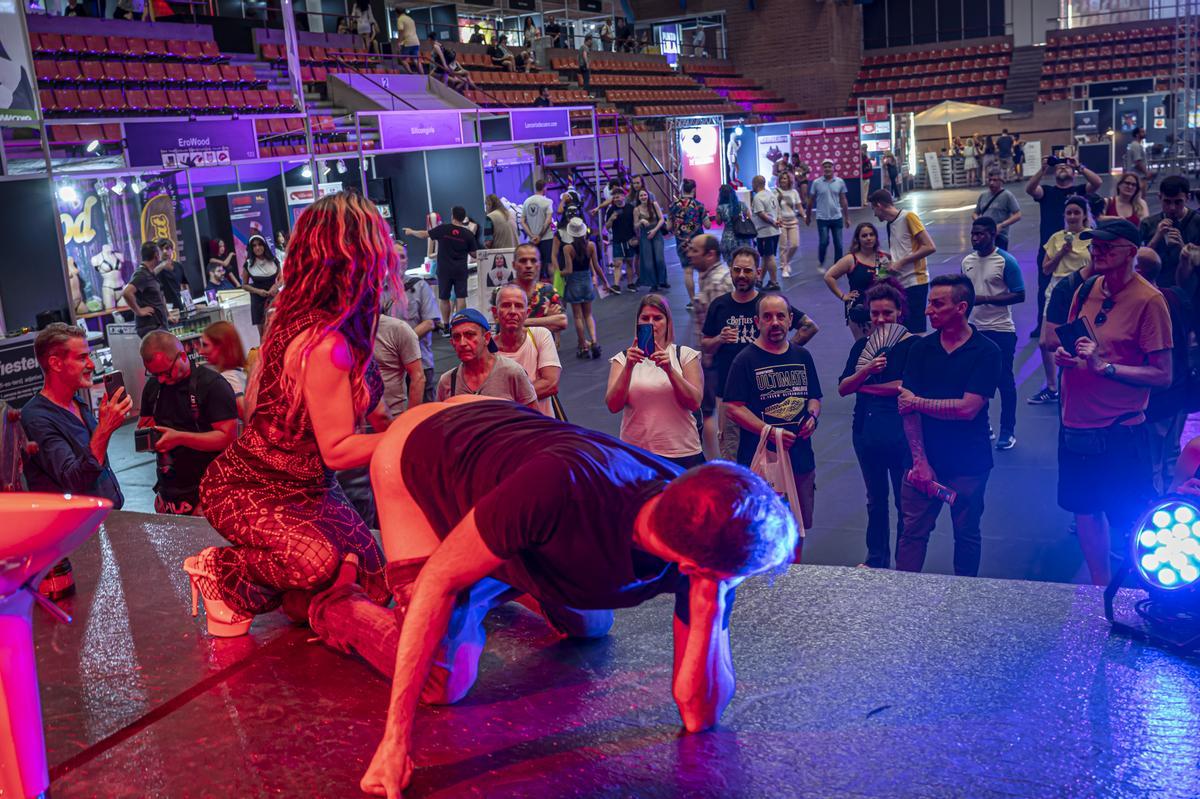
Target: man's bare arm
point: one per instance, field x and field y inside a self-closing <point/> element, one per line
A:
<point x="704" y="680"/>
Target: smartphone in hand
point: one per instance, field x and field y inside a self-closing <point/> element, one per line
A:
<point x="645" y="339"/>
<point x="113" y="381"/>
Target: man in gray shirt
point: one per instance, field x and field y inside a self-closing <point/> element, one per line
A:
<point x="1000" y="205"/>
<point x="482" y="371"/>
<point x="827" y="200"/>
<point x="398" y="356"/>
<point x="422" y="314"/>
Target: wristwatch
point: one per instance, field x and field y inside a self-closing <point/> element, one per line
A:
<point x="1109" y="370"/>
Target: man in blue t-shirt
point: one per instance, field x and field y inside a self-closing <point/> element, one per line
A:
<point x="949" y="377"/>
<point x="774" y="384"/>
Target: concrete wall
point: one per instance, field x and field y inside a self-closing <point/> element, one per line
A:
<point x="1030" y="20"/>
<point x="808" y="52"/>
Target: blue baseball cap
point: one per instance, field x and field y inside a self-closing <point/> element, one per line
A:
<point x="475" y="317"/>
<point x="1110" y="229"/>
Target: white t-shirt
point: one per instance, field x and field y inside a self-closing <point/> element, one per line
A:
<point x="653" y="419"/>
<point x="766" y="202"/>
<point x="236" y="378"/>
<point x="537" y="351"/>
<point x="901" y="235"/>
<point x="789" y="203"/>
<point x="536" y="212"/>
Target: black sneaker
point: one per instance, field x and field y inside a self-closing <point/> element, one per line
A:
<point x="688" y="306"/>
<point x="1043" y="397"/>
<point x="1006" y="441"/>
<point x="772" y="286"/>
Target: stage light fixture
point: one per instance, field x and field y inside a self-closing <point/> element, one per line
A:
<point x="737" y="131"/>
<point x="100" y="187"/>
<point x="1164" y="557"/>
<point x="137" y="186"/>
<point x="93" y="145"/>
<point x="118" y="186"/>
<point x="341" y="167"/>
<point x="68" y="194"/>
<point x="306" y="172"/>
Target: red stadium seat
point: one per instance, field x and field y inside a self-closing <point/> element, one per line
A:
<point x="217" y="99"/>
<point x="112" y="132"/>
<point x="45" y="71"/>
<point x="229" y="74"/>
<point x="48" y="100"/>
<point x="159" y="98"/>
<point x="270" y="52"/>
<point x="63" y="133"/>
<point x="136" y="48"/>
<point x="93" y="71"/>
<point x="246" y="75"/>
<point x="75" y="44"/>
<point x="213" y="75"/>
<point x="137" y="100"/>
<point x="193" y="50"/>
<point x="117" y="46"/>
<point x="197" y="100"/>
<point x="175" y="72"/>
<point x="114" y="71"/>
<point x="96" y="45"/>
<point x="112" y="99"/>
<point x="90" y="100"/>
<point x="156" y="72"/>
<point x="236" y="99"/>
<point x="209" y="49"/>
<point x="69" y="71"/>
<point x="156" y="47"/>
<point x="177" y="100"/>
<point x="194" y="73"/>
<point x="89" y="133"/>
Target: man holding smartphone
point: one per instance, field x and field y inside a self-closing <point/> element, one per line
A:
<point x="1173" y="233"/>
<point x="1104" y="469"/>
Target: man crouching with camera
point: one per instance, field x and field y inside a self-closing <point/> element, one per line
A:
<point x="188" y="416"/>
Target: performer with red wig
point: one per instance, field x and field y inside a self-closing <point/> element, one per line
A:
<point x="272" y="494"/>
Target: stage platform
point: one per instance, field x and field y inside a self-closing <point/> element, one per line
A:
<point x="851" y="683"/>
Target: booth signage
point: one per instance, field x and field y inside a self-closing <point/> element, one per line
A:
<point x="176" y="145"/>
<point x="1120" y="88"/>
<point x="876" y="109"/>
<point x="158" y="219"/>
<point x="408" y="131"/>
<point x="249" y="215"/>
<point x="17" y="102"/>
<point x="20" y="375"/>
<point x="1087" y="121"/>
<point x="494" y="269"/>
<point x="540" y="124"/>
<point x="668" y="42"/>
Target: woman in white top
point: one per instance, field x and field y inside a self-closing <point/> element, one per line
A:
<point x="363" y="21"/>
<point x="791" y="210"/>
<point x="658" y="394"/>
<point x="970" y="165"/>
<point x="221" y="346"/>
<point x="260" y="277"/>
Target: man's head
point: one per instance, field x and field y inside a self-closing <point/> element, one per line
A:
<point x="743" y="269"/>
<point x="164" y="358"/>
<point x="511" y="308"/>
<point x="983" y="235"/>
<point x="886" y="304"/>
<point x="1173" y="191"/>
<point x="773" y="317"/>
<point x="1064" y="173"/>
<point x="827" y="169"/>
<point x="1004" y="131"/>
<point x="540" y="187"/>
<point x="618" y="197"/>
<point x="723" y="521"/>
<point x="150" y="253"/>
<point x="401" y="257"/>
<point x="1139" y="134"/>
<point x="882" y="204"/>
<point x="951" y="298"/>
<point x="166" y="249"/>
<point x="62" y="352"/>
<point x="527" y="263"/>
<point x="704" y="251"/>
<point x="470" y="336"/>
<point x="458" y="214"/>
<point x="758" y="183"/>
<point x="1114" y="245"/>
<point x="995" y="181"/>
<point x="687" y="186"/>
<point x="1147" y="264"/>
<point x="636" y="183"/>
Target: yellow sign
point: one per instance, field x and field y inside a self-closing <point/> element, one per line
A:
<point x="78" y="229"/>
<point x="158" y="219"/>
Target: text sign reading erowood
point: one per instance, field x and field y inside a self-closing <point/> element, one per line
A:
<point x="176" y="145"/>
<point x="407" y="131"/>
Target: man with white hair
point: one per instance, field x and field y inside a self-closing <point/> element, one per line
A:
<point x="531" y="347"/>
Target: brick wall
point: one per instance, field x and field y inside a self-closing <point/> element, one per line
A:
<point x="806" y="51"/>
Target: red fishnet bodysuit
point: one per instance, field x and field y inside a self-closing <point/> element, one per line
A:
<point x="273" y="498"/>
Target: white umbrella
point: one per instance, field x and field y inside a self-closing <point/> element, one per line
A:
<point x="948" y="112"/>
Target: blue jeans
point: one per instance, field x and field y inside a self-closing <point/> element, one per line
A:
<point x="825" y="229"/>
<point x="653" y="267"/>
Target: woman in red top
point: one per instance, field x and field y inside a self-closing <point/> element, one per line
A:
<point x="272" y="494"/>
<point x="1127" y="203"/>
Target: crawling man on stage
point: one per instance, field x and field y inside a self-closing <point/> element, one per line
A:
<point x="481" y="501"/>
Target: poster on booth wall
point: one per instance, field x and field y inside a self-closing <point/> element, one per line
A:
<point x="701" y="148"/>
<point x="493" y="269"/>
<point x="249" y="215"/>
<point x="16" y="67"/>
<point x="771" y="148"/>
<point x="92" y="263"/>
<point x="300" y="197"/>
<point x="20" y="375"/>
<point x="158" y="219"/>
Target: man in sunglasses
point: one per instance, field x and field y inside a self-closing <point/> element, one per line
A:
<point x="190" y="415"/>
<point x="1114" y="350"/>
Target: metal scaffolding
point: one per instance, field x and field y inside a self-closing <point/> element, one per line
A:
<point x="1184" y="88"/>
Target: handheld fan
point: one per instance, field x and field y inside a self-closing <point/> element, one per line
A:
<point x="882" y="339"/>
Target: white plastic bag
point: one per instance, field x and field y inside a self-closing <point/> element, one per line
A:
<point x="776" y="468"/>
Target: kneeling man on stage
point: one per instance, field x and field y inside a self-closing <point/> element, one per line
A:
<point x="482" y="501"/>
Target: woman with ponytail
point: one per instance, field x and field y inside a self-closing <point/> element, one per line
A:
<point x="272" y="494"/>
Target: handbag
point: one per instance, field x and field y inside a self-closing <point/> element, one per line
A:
<point x="743" y="226"/>
<point x="775" y="467"/>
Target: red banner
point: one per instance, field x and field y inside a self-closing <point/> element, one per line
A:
<point x="701" y="150"/>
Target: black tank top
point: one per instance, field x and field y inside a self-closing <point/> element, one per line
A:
<point x="860" y="278"/>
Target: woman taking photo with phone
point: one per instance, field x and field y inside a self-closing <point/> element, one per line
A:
<point x="657" y="386"/>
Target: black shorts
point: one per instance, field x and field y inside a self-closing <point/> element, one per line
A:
<point x="768" y="246"/>
<point x="708" y="401"/>
<point x="452" y="277"/>
<point x="1115" y="479"/>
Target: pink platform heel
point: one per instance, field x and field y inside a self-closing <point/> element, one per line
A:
<point x="223" y="621"/>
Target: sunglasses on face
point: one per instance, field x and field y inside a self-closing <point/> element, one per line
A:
<point x="1105" y="308"/>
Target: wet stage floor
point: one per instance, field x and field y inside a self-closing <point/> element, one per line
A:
<point x="851" y="683"/>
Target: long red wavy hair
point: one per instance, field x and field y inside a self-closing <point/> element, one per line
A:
<point x="339" y="259"/>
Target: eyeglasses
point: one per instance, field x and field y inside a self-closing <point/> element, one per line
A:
<point x="1105" y="308"/>
<point x="170" y="368"/>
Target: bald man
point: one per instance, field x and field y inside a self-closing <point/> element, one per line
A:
<point x="189" y="415"/>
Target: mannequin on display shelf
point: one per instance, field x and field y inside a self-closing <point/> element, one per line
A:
<point x="108" y="263"/>
<point x="731" y="154"/>
<point x="75" y="285"/>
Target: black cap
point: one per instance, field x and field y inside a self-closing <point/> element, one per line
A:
<point x="1111" y="229"/>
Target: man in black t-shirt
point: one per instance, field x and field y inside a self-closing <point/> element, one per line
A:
<point x="144" y="295"/>
<point x="773" y="385"/>
<point x="729" y="328"/>
<point x="456" y="243"/>
<point x="194" y="414"/>
<point x="1052" y="200"/>
<point x="619" y="221"/>
<point x="949" y="377"/>
<point x="170" y="275"/>
<point x="486" y="500"/>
